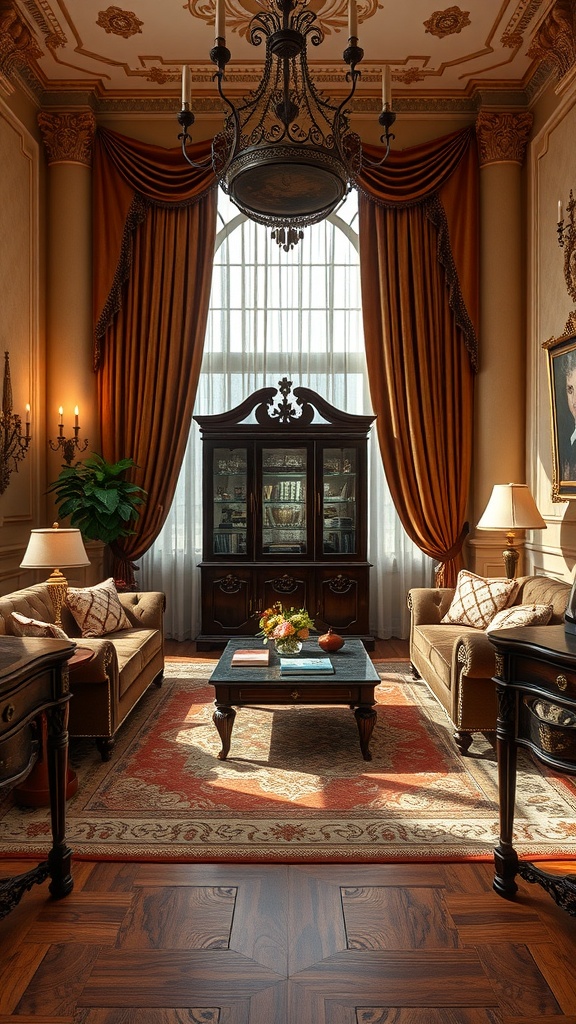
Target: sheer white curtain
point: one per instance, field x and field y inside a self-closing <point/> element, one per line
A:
<point x="277" y="314"/>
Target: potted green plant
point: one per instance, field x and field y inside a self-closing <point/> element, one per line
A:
<point x="98" y="498"/>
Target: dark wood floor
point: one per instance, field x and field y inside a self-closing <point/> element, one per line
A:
<point x="286" y="944"/>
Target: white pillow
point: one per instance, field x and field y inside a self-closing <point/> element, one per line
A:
<point x="97" y="610"/>
<point x="477" y="599"/>
<point x="21" y="625"/>
<point x="522" y="615"/>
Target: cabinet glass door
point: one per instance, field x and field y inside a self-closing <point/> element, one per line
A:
<point x="339" y="501"/>
<point x="284" y="520"/>
<point x="229" y="488"/>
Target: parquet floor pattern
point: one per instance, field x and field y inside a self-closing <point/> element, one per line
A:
<point x="286" y="944"/>
<point x="294" y="944"/>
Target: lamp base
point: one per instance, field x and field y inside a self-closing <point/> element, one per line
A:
<point x="510" y="556"/>
<point x="58" y="586"/>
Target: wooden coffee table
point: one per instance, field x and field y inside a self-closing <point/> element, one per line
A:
<point x="353" y="684"/>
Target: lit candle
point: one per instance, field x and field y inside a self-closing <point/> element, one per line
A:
<point x="352" y="20"/>
<point x="75" y="415"/>
<point x="560" y="212"/>
<point x="186" y="86"/>
<point x="61" y="411"/>
<point x="386" y="87"/>
<point x="27" y="420"/>
<point x="220" y="26"/>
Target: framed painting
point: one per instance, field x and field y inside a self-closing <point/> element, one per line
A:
<point x="562" y="384"/>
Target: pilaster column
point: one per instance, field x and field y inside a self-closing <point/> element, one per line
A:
<point x="500" y="446"/>
<point x="70" y="380"/>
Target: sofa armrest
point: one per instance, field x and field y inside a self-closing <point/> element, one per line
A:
<point x="428" y="605"/>
<point x="475" y="656"/>
<point x="145" y="608"/>
<point x="104" y="664"/>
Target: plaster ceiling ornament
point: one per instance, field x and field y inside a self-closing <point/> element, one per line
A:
<point x="119" y="23"/>
<point x="524" y="12"/>
<point x="447" y="23"/>
<point x="17" y="44"/>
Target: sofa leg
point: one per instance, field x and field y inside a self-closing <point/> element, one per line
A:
<point x="415" y="671"/>
<point x="463" y="741"/>
<point x="159" y="679"/>
<point x="105" y="745"/>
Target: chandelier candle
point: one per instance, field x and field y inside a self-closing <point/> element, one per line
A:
<point x="186" y="87"/>
<point x="352" y="20"/>
<point x="386" y="88"/>
<point x="220" y="25"/>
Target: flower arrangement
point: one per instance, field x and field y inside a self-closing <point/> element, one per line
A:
<point x="287" y="628"/>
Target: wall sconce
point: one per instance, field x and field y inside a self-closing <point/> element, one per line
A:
<point x="69" y="445"/>
<point x="13" y="446"/>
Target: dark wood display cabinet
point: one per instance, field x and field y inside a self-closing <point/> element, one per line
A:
<point x="285" y="514"/>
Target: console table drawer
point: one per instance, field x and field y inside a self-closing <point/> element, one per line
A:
<point x="20" y="704"/>
<point x="18" y="752"/>
<point x="552" y="678"/>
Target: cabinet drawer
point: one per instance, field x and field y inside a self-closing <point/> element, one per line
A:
<point x="20" y="704"/>
<point x="552" y="678"/>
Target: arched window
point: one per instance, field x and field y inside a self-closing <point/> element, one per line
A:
<point x="274" y="314"/>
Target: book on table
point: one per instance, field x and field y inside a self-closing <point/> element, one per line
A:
<point x="251" y="656"/>
<point x="305" y="666"/>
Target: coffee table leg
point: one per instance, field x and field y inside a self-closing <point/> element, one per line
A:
<point x="223" y="719"/>
<point x="366" y="718"/>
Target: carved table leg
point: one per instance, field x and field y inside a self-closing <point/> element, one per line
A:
<point x="505" y="856"/>
<point x="365" y="719"/>
<point x="59" y="858"/>
<point x="223" y="719"/>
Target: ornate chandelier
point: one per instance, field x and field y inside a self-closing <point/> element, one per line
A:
<point x="286" y="155"/>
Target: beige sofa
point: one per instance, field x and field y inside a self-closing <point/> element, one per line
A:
<point x="124" y="664"/>
<point x="458" y="662"/>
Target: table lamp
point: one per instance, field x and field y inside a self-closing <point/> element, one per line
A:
<point x="511" y="507"/>
<point x="51" y="547"/>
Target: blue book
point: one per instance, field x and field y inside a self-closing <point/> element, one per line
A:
<point x="300" y="666"/>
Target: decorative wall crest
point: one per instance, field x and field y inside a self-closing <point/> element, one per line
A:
<point x="555" y="41"/>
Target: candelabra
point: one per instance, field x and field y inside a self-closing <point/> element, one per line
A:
<point x="567" y="241"/>
<point x="69" y="445"/>
<point x="13" y="446"/>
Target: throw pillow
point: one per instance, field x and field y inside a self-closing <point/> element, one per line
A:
<point x="21" y="625"/>
<point x="477" y="599"/>
<point x="521" y="615"/>
<point x="97" y="610"/>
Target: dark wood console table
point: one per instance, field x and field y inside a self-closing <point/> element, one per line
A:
<point x="536" y="687"/>
<point x="34" y="681"/>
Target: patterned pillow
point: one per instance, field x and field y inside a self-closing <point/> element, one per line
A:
<point x="522" y="615"/>
<point x="97" y="610"/>
<point x="21" y="625"/>
<point x="477" y="599"/>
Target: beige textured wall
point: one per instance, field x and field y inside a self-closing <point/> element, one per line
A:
<point x="552" y="173"/>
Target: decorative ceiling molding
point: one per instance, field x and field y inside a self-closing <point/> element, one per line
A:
<point x="18" y="47"/>
<point x="555" y="40"/>
<point x="447" y="23"/>
<point x="117" y="22"/>
<point x="513" y="35"/>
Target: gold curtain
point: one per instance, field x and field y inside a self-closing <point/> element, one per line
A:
<point x="154" y="235"/>
<point x="418" y="233"/>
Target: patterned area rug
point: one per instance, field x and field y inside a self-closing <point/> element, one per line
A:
<point x="295" y="787"/>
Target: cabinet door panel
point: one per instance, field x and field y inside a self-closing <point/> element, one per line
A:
<point x="342" y="600"/>
<point x="289" y="586"/>
<point x="285" y="495"/>
<point x="227" y="602"/>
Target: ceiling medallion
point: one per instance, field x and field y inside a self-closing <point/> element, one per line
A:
<point x="119" y="23"/>
<point x="286" y="155"/>
<point x="448" y="22"/>
<point x="331" y="15"/>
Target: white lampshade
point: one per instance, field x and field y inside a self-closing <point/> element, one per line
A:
<point x="511" y="507"/>
<point x="52" y="548"/>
